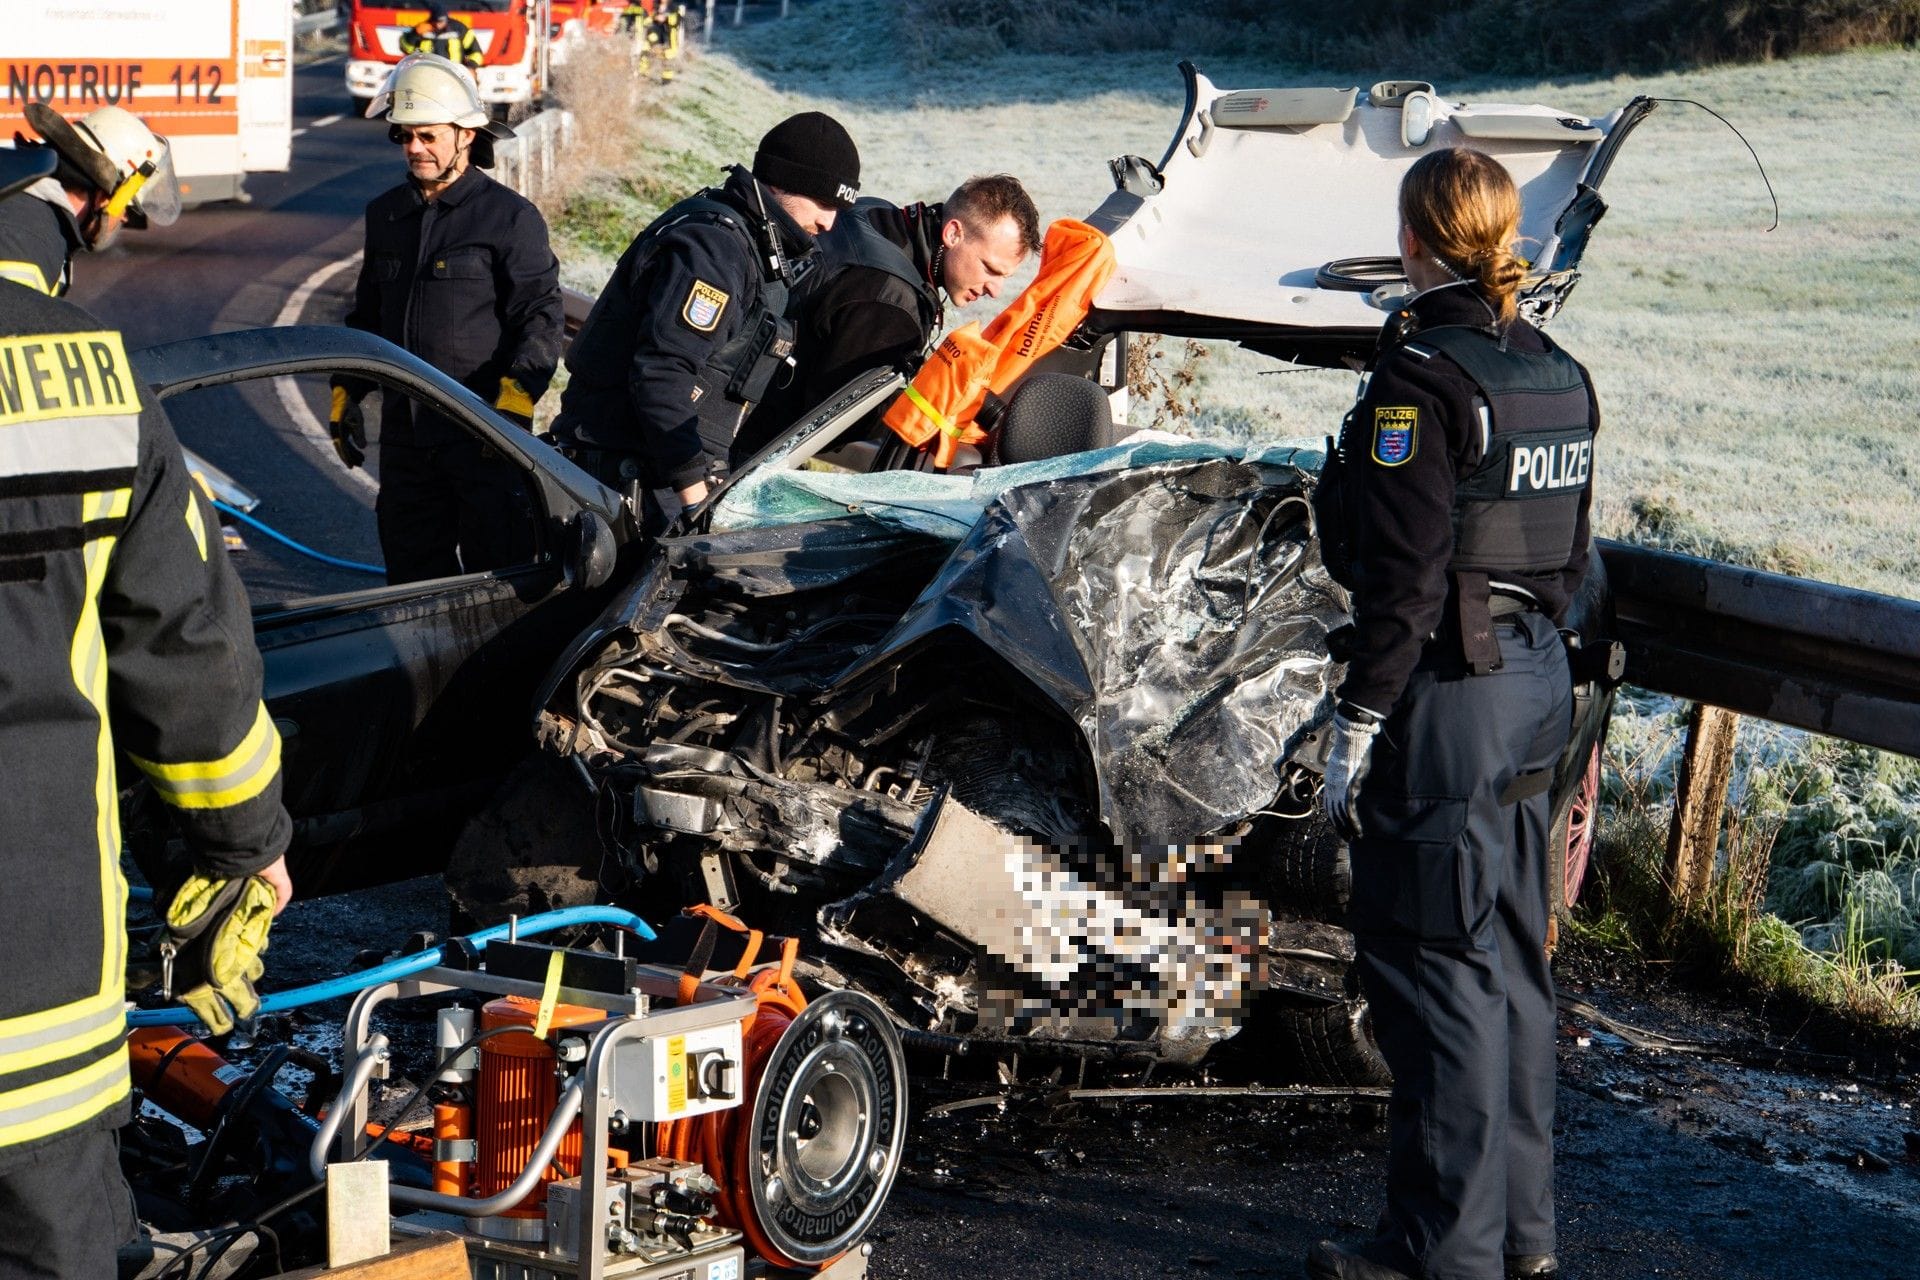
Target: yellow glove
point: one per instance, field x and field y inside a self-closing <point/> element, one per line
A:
<point x="514" y="402"/>
<point x="210" y="953"/>
<point x="348" y="427"/>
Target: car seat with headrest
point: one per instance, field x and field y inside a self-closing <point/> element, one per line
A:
<point x="1050" y="415"/>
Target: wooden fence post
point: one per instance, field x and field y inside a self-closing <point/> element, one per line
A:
<point x="1700" y="800"/>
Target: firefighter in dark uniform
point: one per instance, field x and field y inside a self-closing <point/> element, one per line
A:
<point x="451" y="38"/>
<point x="874" y="300"/>
<point x="126" y="634"/>
<point x="692" y="329"/>
<point x="85" y="201"/>
<point x="458" y="270"/>
<point x="1455" y="511"/>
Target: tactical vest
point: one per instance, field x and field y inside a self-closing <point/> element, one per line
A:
<point x="1517" y="511"/>
<point x="855" y="242"/>
<point x="739" y="373"/>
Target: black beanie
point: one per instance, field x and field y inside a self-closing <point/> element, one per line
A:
<point x="810" y="155"/>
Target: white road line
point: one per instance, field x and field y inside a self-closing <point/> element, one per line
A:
<point x="298" y="411"/>
<point x="297" y="132"/>
<point x="324" y="121"/>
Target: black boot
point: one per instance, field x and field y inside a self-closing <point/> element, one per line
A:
<point x="1532" y="1266"/>
<point x="1367" y="1261"/>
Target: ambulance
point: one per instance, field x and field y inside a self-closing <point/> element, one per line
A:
<point x="214" y="76"/>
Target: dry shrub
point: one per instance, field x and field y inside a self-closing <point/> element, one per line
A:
<point x="608" y="99"/>
<point x="1155" y="379"/>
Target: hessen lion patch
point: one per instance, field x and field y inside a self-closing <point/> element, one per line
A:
<point x="704" y="306"/>
<point x="1393" y="434"/>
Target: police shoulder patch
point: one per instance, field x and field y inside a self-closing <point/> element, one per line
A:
<point x="704" y="306"/>
<point x="1394" y="435"/>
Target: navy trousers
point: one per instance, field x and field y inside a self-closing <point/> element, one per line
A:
<point x="450" y="508"/>
<point x="1449" y="911"/>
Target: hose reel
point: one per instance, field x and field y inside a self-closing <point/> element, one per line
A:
<point x="823" y="1136"/>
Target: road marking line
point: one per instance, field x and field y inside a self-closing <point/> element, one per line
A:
<point x="297" y="132"/>
<point x="324" y="121"/>
<point x="298" y="411"/>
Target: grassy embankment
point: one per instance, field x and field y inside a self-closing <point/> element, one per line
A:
<point x="1757" y="385"/>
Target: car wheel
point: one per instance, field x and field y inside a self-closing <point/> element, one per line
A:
<point x="1291" y="1040"/>
<point x="1311" y="1025"/>
<point x="1570" y="848"/>
<point x="532" y="848"/>
<point x="1304" y="865"/>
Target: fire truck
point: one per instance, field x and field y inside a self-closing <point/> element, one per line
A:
<point x="214" y="76"/>
<point x="514" y="37"/>
<point x="572" y="21"/>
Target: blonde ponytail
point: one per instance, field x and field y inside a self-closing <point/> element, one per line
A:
<point x="1463" y="206"/>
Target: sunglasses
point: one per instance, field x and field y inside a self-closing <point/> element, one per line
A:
<point x="401" y="136"/>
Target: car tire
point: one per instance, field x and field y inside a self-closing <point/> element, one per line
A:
<point x="1289" y="1039"/>
<point x="1570" y="847"/>
<point x="1311" y="1025"/>
<point x="532" y="848"/>
<point x="1304" y="865"/>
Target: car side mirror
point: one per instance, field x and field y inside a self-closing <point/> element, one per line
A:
<point x="591" y="551"/>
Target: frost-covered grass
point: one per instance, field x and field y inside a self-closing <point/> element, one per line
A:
<point x="1816" y="890"/>
<point x="1758" y="387"/>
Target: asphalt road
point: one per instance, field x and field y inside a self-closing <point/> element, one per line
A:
<point x="1671" y="1164"/>
<point x="234" y="266"/>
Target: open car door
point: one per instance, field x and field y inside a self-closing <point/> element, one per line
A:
<point x="400" y="706"/>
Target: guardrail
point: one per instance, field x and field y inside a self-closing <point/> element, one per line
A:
<point x="1828" y="659"/>
<point x="525" y="161"/>
<point x="308" y="23"/>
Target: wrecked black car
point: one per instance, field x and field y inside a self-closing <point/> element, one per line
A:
<point x="1032" y="755"/>
<point x="1029" y="755"/>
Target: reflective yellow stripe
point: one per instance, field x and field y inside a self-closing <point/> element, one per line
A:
<point x="88" y="661"/>
<point x="80" y="1027"/>
<point x="26" y="273"/>
<point x="925" y="406"/>
<point x="52" y="1034"/>
<point x="197" y="527"/>
<point x="234" y="778"/>
<point x="56" y="1105"/>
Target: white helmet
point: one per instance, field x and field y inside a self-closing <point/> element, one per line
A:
<point x="426" y="88"/>
<point x="130" y="163"/>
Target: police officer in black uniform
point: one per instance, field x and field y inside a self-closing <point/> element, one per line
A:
<point x="459" y="271"/>
<point x="693" y="328"/>
<point x="1455" y="511"/>
<point x="873" y="301"/>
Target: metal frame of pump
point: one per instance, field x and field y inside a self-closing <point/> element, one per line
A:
<point x="600" y="1093"/>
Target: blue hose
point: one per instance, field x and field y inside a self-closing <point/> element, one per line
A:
<point x="303" y="549"/>
<point x="404" y="966"/>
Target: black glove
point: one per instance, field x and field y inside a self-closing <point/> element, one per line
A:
<point x="348" y="427"/>
<point x="216" y="932"/>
